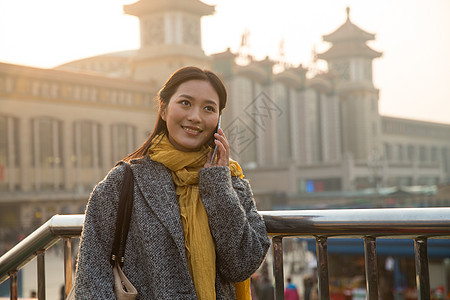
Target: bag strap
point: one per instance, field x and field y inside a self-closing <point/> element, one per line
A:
<point x="123" y="216"/>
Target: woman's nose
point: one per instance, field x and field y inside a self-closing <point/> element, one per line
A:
<point x="194" y="116"/>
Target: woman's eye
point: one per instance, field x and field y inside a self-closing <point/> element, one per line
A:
<point x="185" y="102"/>
<point x="210" y="108"/>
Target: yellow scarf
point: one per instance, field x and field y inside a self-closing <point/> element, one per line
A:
<point x="200" y="248"/>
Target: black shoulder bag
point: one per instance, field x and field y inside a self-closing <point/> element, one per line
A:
<point x="123" y="288"/>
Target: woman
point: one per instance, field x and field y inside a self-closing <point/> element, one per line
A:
<point x="195" y="232"/>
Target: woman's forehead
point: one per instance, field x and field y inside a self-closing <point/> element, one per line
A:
<point x="197" y="90"/>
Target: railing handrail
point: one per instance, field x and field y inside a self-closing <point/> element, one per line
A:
<point x="40" y="240"/>
<point x="373" y="223"/>
<point x="379" y="222"/>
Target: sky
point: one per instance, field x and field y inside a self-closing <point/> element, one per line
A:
<point x="413" y="74"/>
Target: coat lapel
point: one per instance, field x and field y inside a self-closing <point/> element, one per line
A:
<point x="156" y="184"/>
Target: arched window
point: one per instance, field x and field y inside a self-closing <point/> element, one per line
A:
<point x="87" y="144"/>
<point x="47" y="153"/>
<point x="9" y="149"/>
<point x="47" y="142"/>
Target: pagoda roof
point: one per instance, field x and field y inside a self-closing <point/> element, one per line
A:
<point x="348" y="32"/>
<point x="143" y="7"/>
<point x="349" y="49"/>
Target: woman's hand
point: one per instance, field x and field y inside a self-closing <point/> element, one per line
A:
<point x="223" y="151"/>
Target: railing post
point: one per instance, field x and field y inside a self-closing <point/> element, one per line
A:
<point x="370" y="255"/>
<point x="41" y="274"/>
<point x="322" y="267"/>
<point x="277" y="248"/>
<point x="67" y="265"/>
<point x="13" y="285"/>
<point x="422" y="273"/>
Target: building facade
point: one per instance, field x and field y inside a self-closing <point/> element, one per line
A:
<point x="60" y="133"/>
<point x="62" y="129"/>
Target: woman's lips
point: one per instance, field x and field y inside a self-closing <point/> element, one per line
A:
<point x="192" y="130"/>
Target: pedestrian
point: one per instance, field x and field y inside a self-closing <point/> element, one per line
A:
<point x="195" y="232"/>
<point x="290" y="292"/>
<point x="267" y="291"/>
<point x="308" y="286"/>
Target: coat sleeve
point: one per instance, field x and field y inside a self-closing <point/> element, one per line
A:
<point x="94" y="276"/>
<point x="238" y="230"/>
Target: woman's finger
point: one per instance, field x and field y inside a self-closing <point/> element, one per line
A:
<point x="223" y="148"/>
<point x="221" y="137"/>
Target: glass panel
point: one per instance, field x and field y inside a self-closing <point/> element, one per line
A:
<point x="3" y="140"/>
<point x="45" y="132"/>
<point x="3" y="151"/>
<point x="86" y="145"/>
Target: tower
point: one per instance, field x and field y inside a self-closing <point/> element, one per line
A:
<point x="350" y="60"/>
<point x="170" y="36"/>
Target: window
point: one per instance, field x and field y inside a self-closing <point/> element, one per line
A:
<point x="47" y="153"/>
<point x="342" y="68"/>
<point x="3" y="141"/>
<point x="434" y="154"/>
<point x="445" y="154"/>
<point x="388" y="151"/>
<point x="423" y="153"/>
<point x="47" y="142"/>
<point x="35" y="88"/>
<point x="9" y="147"/>
<point x="400" y="152"/>
<point x="87" y="144"/>
<point x="411" y="152"/>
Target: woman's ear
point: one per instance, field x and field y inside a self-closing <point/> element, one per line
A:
<point x="162" y="112"/>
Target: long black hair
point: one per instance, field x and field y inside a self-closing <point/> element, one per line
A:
<point x="170" y="87"/>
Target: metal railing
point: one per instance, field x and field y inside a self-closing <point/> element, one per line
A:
<point x="418" y="224"/>
<point x="58" y="227"/>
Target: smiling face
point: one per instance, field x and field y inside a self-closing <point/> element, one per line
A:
<point x="191" y="115"/>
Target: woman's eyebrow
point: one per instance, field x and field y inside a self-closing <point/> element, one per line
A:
<point x="186" y="96"/>
<point x="212" y="102"/>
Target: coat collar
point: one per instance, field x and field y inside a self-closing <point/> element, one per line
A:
<point x="156" y="185"/>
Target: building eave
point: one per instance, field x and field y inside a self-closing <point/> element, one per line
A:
<point x="350" y="49"/>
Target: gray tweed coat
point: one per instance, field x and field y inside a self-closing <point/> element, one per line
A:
<point x="155" y="259"/>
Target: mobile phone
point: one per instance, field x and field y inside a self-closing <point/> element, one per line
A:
<point x="213" y="157"/>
